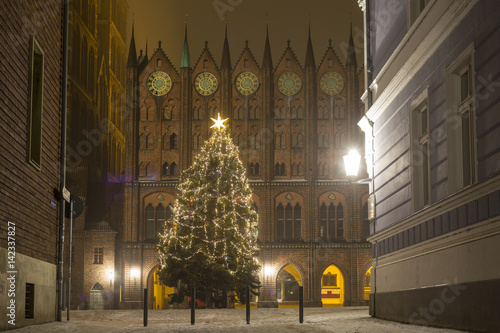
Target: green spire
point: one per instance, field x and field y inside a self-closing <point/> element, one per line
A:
<point x="186" y="59"/>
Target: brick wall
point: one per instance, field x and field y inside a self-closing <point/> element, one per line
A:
<point x="26" y="192"/>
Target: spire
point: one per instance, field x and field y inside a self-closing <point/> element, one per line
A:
<point x="226" y="59"/>
<point x="186" y="59"/>
<point x="267" y="62"/>
<point x="351" y="53"/>
<point x="132" y="53"/>
<point x="309" y="52"/>
<point x="146" y="53"/>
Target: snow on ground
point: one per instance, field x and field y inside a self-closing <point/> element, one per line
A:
<point x="345" y="320"/>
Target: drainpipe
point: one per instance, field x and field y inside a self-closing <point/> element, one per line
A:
<point x="64" y="97"/>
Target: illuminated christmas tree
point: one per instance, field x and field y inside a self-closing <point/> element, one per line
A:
<point x="210" y="240"/>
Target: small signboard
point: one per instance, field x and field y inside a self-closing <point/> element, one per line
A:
<point x="53" y="203"/>
<point x="66" y="194"/>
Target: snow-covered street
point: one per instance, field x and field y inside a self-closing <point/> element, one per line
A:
<point x="346" y="320"/>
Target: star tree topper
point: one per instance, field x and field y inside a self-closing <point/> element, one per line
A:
<point x="219" y="123"/>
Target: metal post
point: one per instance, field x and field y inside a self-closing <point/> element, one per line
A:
<point x="62" y="179"/>
<point x="248" y="304"/>
<point x="70" y="256"/>
<point x="301" y="304"/>
<point x="145" y="307"/>
<point x="193" y="303"/>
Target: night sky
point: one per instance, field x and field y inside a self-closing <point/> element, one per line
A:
<point x="288" y="19"/>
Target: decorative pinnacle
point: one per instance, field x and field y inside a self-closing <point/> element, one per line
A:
<point x="186" y="18"/>
<point x="246" y="44"/>
<point x="288" y="43"/>
<point x="159" y="44"/>
<point x="330" y="42"/>
<point x="309" y="17"/>
<point x="267" y="18"/>
<point x="133" y="18"/>
<point x="206" y="44"/>
<point x="219" y="123"/>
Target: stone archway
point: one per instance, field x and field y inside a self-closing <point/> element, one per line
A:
<point x="332" y="287"/>
<point x="367" y="285"/>
<point x="158" y="293"/>
<point x="288" y="282"/>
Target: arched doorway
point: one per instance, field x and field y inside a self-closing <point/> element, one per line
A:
<point x="159" y="294"/>
<point x="97" y="297"/>
<point x="332" y="287"/>
<point x="288" y="281"/>
<point x="367" y="284"/>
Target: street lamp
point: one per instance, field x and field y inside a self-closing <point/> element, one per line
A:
<point x="268" y="270"/>
<point x="134" y="273"/>
<point x="351" y="163"/>
<point x="111" y="277"/>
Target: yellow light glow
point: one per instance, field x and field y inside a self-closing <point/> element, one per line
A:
<point x="219" y="123"/>
<point x="268" y="270"/>
<point x="134" y="273"/>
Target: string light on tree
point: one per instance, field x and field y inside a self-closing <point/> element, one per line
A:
<point x="210" y="241"/>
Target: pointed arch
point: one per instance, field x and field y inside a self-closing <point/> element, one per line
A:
<point x="173" y="141"/>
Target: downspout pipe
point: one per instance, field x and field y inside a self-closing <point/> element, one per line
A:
<point x="62" y="179"/>
<point x="369" y="74"/>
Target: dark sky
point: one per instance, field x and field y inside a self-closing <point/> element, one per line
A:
<point x="288" y="19"/>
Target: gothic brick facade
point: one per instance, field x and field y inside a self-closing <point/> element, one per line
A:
<point x="293" y="124"/>
<point x="96" y="93"/>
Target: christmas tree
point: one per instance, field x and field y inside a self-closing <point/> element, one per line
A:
<point x="210" y="241"/>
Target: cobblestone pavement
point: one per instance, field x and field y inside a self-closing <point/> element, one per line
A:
<point x="346" y="320"/>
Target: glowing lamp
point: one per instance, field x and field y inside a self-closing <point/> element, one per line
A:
<point x="111" y="277"/>
<point x="268" y="270"/>
<point x="351" y="163"/>
<point x="134" y="273"/>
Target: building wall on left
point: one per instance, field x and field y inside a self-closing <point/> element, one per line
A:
<point x="30" y="137"/>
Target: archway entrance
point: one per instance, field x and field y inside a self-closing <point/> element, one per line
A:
<point x="367" y="284"/>
<point x="288" y="281"/>
<point x="159" y="294"/>
<point x="97" y="297"/>
<point x="332" y="287"/>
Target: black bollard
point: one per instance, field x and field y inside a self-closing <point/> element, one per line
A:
<point x="145" y="307"/>
<point x="193" y="303"/>
<point x="301" y="305"/>
<point x="248" y="304"/>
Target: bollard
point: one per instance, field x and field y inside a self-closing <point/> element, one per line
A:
<point x="193" y="303"/>
<point x="301" y="304"/>
<point x="145" y="307"/>
<point x="248" y="304"/>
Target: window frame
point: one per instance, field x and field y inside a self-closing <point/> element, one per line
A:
<point x="98" y="255"/>
<point x="35" y="108"/>
<point x="419" y="142"/>
<point x="414" y="10"/>
<point x="456" y="109"/>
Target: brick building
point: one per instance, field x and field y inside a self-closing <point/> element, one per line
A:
<point x="293" y="124"/>
<point x="30" y="149"/>
<point x="97" y="56"/>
